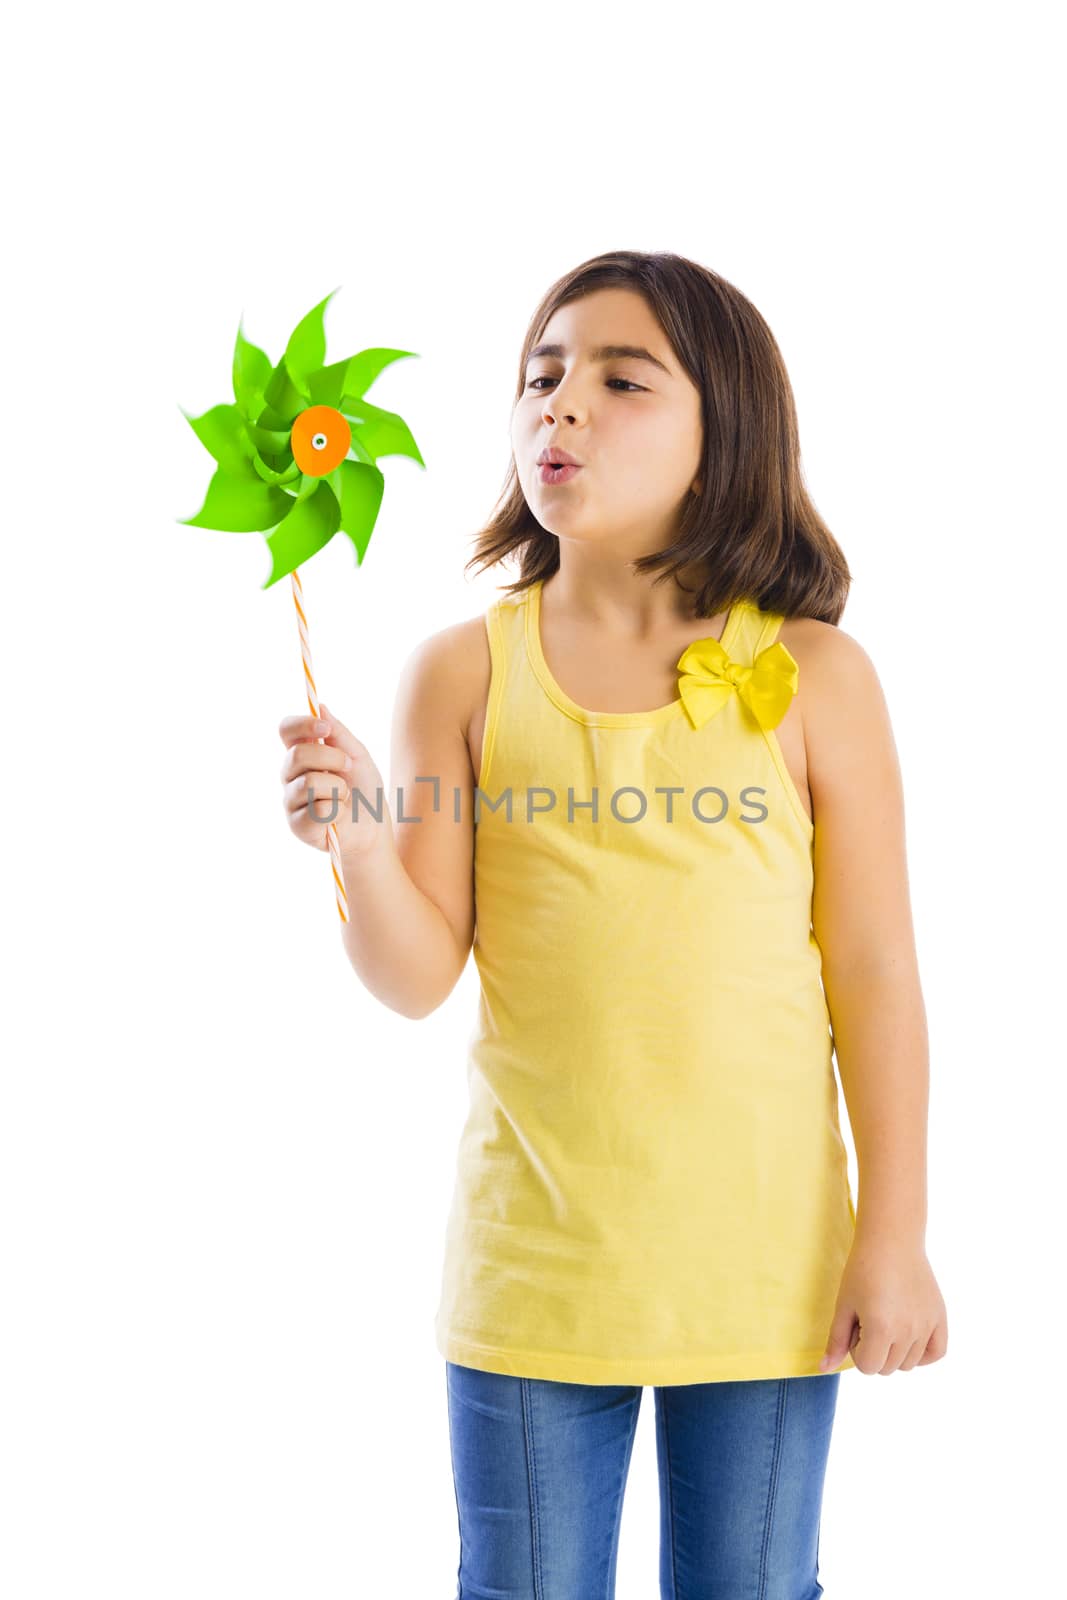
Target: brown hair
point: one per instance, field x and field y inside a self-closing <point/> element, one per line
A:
<point x="753" y="529"/>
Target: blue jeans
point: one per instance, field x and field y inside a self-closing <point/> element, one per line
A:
<point x="540" y="1469"/>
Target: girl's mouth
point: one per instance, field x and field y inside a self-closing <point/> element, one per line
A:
<point x="553" y="474"/>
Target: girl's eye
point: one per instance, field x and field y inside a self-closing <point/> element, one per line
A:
<point x="546" y="379"/>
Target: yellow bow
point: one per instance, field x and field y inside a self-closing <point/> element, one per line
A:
<point x="766" y="687"/>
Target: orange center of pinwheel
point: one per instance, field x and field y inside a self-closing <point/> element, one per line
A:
<point x="320" y="440"/>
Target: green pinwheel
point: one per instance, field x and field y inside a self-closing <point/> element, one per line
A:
<point x="298" y="447"/>
<point x="297" y="455"/>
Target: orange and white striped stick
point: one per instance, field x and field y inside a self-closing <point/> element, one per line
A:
<point x="312" y="694"/>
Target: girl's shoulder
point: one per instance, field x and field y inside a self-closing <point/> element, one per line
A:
<point x="459" y="653"/>
<point x="829" y="659"/>
<point x="447" y="675"/>
<point x="840" y="700"/>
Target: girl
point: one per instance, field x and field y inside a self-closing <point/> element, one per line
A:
<point x="663" y="783"/>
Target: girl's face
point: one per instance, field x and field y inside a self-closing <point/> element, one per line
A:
<point x="634" y="424"/>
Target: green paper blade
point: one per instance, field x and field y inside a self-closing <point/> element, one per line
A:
<point x="365" y="367"/>
<point x="310" y="525"/>
<point x="285" y="399"/>
<point x="282" y="476"/>
<point x="271" y="441"/>
<point x="328" y="384"/>
<point x="307" y="485"/>
<point x="380" y="433"/>
<point x="268" y="417"/>
<point x="306" y="350"/>
<point x="360" y="490"/>
<point x="222" y="431"/>
<point x="251" y="372"/>
<point x="239" y="504"/>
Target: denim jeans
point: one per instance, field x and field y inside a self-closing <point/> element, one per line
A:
<point x="540" y="1470"/>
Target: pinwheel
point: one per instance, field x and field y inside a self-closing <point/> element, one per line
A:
<point x="297" y="454"/>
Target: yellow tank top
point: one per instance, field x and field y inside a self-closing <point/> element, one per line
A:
<point x="651" y="1183"/>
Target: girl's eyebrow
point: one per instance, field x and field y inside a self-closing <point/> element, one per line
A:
<point x="605" y="352"/>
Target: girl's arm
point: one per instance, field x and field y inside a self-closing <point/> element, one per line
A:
<point x="861" y="917"/>
<point x="411" y="898"/>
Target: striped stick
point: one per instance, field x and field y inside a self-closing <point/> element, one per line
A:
<point x="312" y="694"/>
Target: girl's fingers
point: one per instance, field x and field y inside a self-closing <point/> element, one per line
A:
<point x="317" y="758"/>
<point x="339" y="736"/>
<point x="302" y="730"/>
<point x="299" y="731"/>
<point x="329" y="789"/>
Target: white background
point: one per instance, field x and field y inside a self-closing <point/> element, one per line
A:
<point x="225" y="1167"/>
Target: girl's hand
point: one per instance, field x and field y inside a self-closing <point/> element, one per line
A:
<point x="342" y="764"/>
<point x="889" y="1311"/>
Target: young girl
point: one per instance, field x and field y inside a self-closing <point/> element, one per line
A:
<point x="663" y="783"/>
